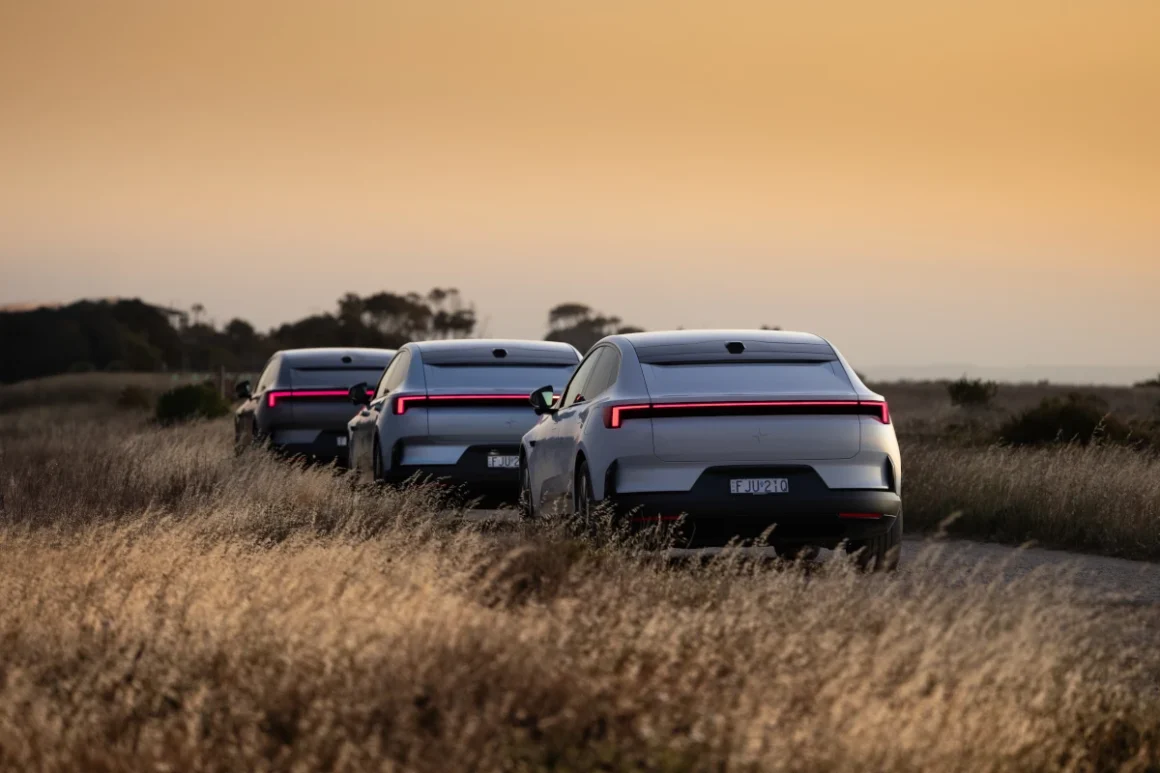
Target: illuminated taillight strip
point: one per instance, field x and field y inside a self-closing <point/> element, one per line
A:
<point x="614" y="416"/>
<point x="403" y="402"/>
<point x="272" y="398"/>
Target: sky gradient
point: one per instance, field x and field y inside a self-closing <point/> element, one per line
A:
<point x="962" y="182"/>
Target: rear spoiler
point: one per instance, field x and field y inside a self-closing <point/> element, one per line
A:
<point x="722" y="352"/>
<point x="500" y="356"/>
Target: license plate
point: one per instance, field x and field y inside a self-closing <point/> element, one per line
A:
<point x="759" y="486"/>
<point x="503" y="462"/>
<point x="342" y="442"/>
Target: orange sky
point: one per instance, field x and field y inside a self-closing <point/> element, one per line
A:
<point x="921" y="181"/>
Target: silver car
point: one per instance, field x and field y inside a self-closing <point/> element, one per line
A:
<point x="301" y="403"/>
<point x="455" y="411"/>
<point x="730" y="432"/>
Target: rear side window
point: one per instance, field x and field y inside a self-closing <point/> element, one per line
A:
<point x="332" y="378"/>
<point x="603" y="373"/>
<point x="745" y="377"/>
<point x="395" y="374"/>
<point x="518" y="378"/>
<point x="266" y="380"/>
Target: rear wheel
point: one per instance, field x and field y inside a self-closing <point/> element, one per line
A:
<point x="882" y="553"/>
<point x="583" y="499"/>
<point x="526" y="509"/>
<point x="377" y="463"/>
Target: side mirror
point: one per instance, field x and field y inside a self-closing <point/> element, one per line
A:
<point x="358" y="394"/>
<point x="242" y="390"/>
<point x="542" y="400"/>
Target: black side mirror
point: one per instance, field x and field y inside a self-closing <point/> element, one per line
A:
<point x="358" y="394"/>
<point x="242" y="390"/>
<point x="542" y="400"/>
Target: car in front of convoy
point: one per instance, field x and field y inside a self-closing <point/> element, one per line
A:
<point x="723" y="435"/>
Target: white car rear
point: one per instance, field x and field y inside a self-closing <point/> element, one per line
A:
<point x="736" y="431"/>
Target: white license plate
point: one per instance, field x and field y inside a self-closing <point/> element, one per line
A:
<point x="759" y="486"/>
<point x="504" y="462"/>
<point x="342" y="442"/>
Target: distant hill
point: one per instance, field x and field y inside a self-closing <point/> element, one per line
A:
<point x="1078" y="375"/>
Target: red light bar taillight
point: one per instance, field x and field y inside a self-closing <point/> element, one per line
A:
<point x="272" y="398"/>
<point x="403" y="402"/>
<point x="881" y="409"/>
<point x="614" y="415"/>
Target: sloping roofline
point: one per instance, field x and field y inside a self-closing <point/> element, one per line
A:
<point x="679" y="337"/>
<point x="326" y="355"/>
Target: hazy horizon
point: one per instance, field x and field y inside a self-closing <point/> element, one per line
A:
<point x="921" y="183"/>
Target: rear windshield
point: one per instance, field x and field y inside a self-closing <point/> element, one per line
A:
<point x="336" y="378"/>
<point x="519" y="378"/>
<point x="746" y="378"/>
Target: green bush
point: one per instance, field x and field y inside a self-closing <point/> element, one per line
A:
<point x="135" y="398"/>
<point x="193" y="401"/>
<point x="972" y="392"/>
<point x="1077" y="418"/>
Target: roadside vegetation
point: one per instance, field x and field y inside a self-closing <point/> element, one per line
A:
<point x="167" y="605"/>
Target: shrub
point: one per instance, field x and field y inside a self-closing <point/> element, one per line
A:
<point x="972" y="392"/>
<point x="1152" y="382"/>
<point x="193" y="401"/>
<point x="135" y="398"/>
<point x="1077" y="418"/>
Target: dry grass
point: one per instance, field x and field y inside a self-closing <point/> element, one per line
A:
<point x="1104" y="499"/>
<point x="93" y="391"/>
<point x="166" y="606"/>
<point x="922" y="409"/>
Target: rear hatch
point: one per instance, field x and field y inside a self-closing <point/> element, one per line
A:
<point x="319" y="398"/>
<point x="762" y="402"/>
<point x="472" y="401"/>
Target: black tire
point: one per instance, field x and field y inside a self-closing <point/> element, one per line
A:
<point x="377" y="464"/>
<point x="882" y="553"/>
<point x="526" y="510"/>
<point x="582" y="500"/>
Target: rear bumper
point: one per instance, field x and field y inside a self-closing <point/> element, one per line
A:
<point x="323" y="447"/>
<point x="809" y="513"/>
<point x="471" y="474"/>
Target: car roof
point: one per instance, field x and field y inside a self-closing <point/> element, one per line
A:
<point x="710" y="345"/>
<point x="485" y="349"/>
<point x="676" y="337"/>
<point x="333" y="355"/>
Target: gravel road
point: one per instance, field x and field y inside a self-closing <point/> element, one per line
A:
<point x="1117" y="579"/>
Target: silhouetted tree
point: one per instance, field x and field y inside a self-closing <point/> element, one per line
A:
<point x="579" y="325"/>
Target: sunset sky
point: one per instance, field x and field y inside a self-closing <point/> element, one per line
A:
<point x="969" y="181"/>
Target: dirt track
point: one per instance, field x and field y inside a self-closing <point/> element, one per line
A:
<point x="1118" y="579"/>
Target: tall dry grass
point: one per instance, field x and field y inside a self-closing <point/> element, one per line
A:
<point x="1100" y="498"/>
<point x="166" y="606"/>
<point x="923" y="410"/>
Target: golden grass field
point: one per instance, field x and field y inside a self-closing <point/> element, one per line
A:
<point x="165" y="605"/>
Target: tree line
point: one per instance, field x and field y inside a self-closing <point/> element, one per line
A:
<point x="132" y="335"/>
